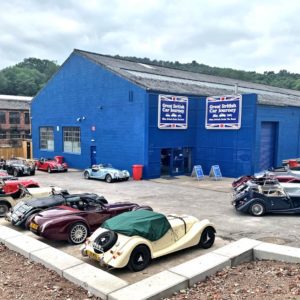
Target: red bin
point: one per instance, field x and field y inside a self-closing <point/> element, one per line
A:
<point x="137" y="172"/>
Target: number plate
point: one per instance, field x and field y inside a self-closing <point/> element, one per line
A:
<point x="34" y="226"/>
<point x="92" y="255"/>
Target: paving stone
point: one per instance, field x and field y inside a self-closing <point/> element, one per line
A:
<point x="157" y="286"/>
<point x="55" y="259"/>
<point x="6" y="233"/>
<point x="277" y="252"/>
<point x="239" y="251"/>
<point x="201" y="267"/>
<point x="24" y="244"/>
<point x="96" y="281"/>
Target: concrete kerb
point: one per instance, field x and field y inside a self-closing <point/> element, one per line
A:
<point x="107" y="286"/>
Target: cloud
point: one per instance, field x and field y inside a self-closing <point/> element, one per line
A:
<point x="251" y="35"/>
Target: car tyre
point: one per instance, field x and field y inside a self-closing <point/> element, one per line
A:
<point x="257" y="209"/>
<point x="207" y="238"/>
<point x="78" y="233"/>
<point x="4" y="208"/>
<point x="49" y="170"/>
<point x="105" y="240"/>
<point x="32" y="173"/>
<point x="139" y="259"/>
<point x="86" y="175"/>
<point x="108" y="178"/>
<point x="15" y="173"/>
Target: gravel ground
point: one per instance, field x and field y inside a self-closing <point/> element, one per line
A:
<point x="20" y="278"/>
<point x="256" y="280"/>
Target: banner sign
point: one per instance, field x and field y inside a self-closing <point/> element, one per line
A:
<point x="172" y="112"/>
<point x="223" y="112"/>
<point x="198" y="172"/>
<point x="215" y="172"/>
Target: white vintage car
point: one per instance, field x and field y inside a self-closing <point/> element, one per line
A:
<point x="132" y="239"/>
<point x="7" y="201"/>
<point x="106" y="172"/>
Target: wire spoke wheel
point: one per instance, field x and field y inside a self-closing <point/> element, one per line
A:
<point x="257" y="209"/>
<point x="3" y="209"/>
<point x="78" y="233"/>
<point x="108" y="178"/>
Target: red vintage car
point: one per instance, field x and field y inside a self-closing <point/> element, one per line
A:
<point x="12" y="186"/>
<point x="51" y="165"/>
<point x="74" y="223"/>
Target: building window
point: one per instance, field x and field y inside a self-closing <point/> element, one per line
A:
<point x="26" y="118"/>
<point x="46" y="138"/>
<point x="72" y="139"/>
<point x="2" y="117"/>
<point x="2" y="135"/>
<point x="14" y="117"/>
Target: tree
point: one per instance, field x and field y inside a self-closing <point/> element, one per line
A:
<point x="26" y="78"/>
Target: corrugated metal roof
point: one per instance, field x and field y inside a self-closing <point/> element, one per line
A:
<point x="15" y="102"/>
<point x="170" y="80"/>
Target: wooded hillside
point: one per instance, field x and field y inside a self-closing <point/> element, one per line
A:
<point x="28" y="77"/>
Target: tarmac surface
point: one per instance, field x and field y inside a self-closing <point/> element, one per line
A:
<point x="182" y="195"/>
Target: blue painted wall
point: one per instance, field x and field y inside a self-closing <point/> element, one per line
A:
<point x="233" y="150"/>
<point x="168" y="138"/>
<point x="288" y="132"/>
<point x="113" y="105"/>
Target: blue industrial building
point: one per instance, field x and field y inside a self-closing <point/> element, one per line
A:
<point x="98" y="108"/>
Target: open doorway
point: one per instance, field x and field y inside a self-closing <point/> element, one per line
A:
<point x="175" y="161"/>
<point x="165" y="162"/>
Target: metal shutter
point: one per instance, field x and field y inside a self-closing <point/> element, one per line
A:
<point x="267" y="145"/>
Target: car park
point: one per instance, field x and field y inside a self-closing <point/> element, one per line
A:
<point x="19" y="167"/>
<point x="51" y="165"/>
<point x="77" y="218"/>
<point x="268" y="198"/>
<point x="133" y="239"/>
<point x="106" y="172"/>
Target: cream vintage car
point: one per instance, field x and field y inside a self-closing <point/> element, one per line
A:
<point x="9" y="200"/>
<point x="134" y="238"/>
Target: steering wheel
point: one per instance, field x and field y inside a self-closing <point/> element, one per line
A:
<point x="24" y="191"/>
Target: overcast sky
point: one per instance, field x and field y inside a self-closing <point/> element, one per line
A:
<point x="255" y="35"/>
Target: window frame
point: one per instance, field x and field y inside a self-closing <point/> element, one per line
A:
<point x="71" y="139"/>
<point x="17" y="113"/>
<point x="46" y="144"/>
<point x="2" y="117"/>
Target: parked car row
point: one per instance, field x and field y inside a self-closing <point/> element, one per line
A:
<point x="132" y="232"/>
<point x="272" y="191"/>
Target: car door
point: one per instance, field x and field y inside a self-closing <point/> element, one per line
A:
<point x="96" y="172"/>
<point x="96" y="217"/>
<point x="279" y="200"/>
<point x="296" y="201"/>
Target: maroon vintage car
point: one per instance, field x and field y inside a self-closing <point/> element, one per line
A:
<point x="51" y="165"/>
<point x="76" y="222"/>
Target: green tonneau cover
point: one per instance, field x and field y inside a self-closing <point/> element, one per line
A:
<point x="145" y="223"/>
